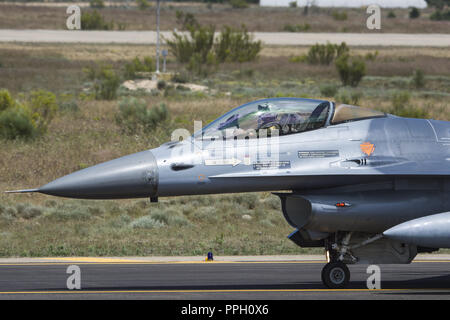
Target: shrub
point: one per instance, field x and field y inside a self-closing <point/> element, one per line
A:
<point x="68" y="105"/>
<point x="16" y="123"/>
<point x="239" y="4"/>
<point x="293" y="4"/>
<point x="326" y="53"/>
<point x="136" y="65"/>
<point x="410" y="112"/>
<point x="69" y="212"/>
<point x="440" y="15"/>
<point x="297" y="28"/>
<point x="438" y="4"/>
<point x="339" y="16"/>
<point x="146" y="222"/>
<point x="105" y="82"/>
<point x="348" y="96"/>
<point x="236" y="45"/>
<point x="43" y="107"/>
<point x="95" y="21"/>
<point x="98" y="4"/>
<point x="201" y="67"/>
<point x="200" y="42"/>
<point x="6" y="101"/>
<point x="351" y="69"/>
<point x="297" y="59"/>
<point x="28" y="211"/>
<point x="142" y="4"/>
<point x="418" y="78"/>
<point x="29" y="119"/>
<point x="402" y="107"/>
<point x="160" y="216"/>
<point x="371" y="56"/>
<point x="202" y="53"/>
<point x="179" y="221"/>
<point x="414" y="13"/>
<point x="186" y="20"/>
<point x="391" y="15"/>
<point x="400" y="99"/>
<point x="134" y="115"/>
<point x="161" y="85"/>
<point x="180" y="77"/>
<point x="328" y="90"/>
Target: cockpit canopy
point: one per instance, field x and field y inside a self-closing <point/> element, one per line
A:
<point x="346" y="113"/>
<point x="281" y="116"/>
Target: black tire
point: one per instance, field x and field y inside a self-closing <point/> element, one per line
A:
<point x="335" y="275"/>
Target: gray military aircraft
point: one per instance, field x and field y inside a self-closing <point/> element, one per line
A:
<point x="369" y="187"/>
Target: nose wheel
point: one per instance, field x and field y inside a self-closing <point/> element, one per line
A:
<point x="335" y="275"/>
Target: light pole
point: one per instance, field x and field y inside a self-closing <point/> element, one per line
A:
<point x="157" y="35"/>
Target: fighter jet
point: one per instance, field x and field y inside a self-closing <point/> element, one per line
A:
<point x="369" y="187"/>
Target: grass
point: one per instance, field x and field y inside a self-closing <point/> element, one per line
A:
<point x="174" y="226"/>
<point x="22" y="16"/>
<point x="39" y="225"/>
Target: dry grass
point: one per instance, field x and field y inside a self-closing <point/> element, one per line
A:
<point x="255" y="18"/>
<point x="58" y="67"/>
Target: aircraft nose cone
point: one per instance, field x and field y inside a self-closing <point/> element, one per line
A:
<point x="132" y="176"/>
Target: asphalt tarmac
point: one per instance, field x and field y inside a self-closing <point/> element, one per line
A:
<point x="217" y="280"/>
<point x="268" y="38"/>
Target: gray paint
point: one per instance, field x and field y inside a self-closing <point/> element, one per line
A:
<point x="431" y="231"/>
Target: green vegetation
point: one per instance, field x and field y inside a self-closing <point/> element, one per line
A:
<point x="135" y="117"/>
<point x="201" y="52"/>
<point x="401" y="106"/>
<point x="105" y="81"/>
<point x="440" y="15"/>
<point x="348" y="96"/>
<point x="414" y="13"/>
<point x="135" y="66"/>
<point x="297" y="27"/>
<point x="108" y="228"/>
<point x="418" y="78"/>
<point x="351" y="69"/>
<point x="97" y="4"/>
<point x="323" y="54"/>
<point x="200" y="44"/>
<point x="27" y="119"/>
<point x="142" y="4"/>
<point x="339" y="15"/>
<point x="328" y="90"/>
<point x="239" y="4"/>
<point x="439" y="4"/>
<point x="43" y="107"/>
<point x="95" y="21"/>
<point x="236" y="45"/>
<point x="186" y="21"/>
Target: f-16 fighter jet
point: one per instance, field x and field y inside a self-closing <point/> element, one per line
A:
<point x="369" y="187"/>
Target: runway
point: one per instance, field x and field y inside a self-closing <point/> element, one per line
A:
<point x="268" y="38"/>
<point x="125" y="279"/>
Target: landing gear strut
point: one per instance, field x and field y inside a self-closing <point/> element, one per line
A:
<point x="335" y="275"/>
